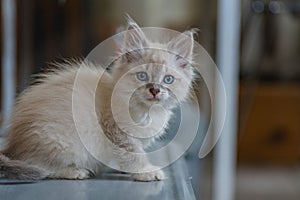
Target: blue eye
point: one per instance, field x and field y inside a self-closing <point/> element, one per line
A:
<point x="142" y="76"/>
<point x="169" y="79"/>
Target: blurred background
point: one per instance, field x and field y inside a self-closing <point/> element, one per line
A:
<point x="268" y="142"/>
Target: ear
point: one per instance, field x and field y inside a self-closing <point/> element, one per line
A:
<point x="134" y="41"/>
<point x="183" y="46"/>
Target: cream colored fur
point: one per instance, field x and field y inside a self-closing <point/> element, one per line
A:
<point x="47" y="137"/>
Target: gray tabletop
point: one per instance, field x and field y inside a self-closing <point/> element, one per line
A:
<point x="109" y="186"/>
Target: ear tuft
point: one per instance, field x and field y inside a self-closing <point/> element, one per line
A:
<point x="131" y="24"/>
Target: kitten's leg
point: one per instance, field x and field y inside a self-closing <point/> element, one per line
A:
<point x="71" y="173"/>
<point x="140" y="164"/>
<point x="149" y="176"/>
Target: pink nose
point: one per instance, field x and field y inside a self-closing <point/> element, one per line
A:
<point x="154" y="91"/>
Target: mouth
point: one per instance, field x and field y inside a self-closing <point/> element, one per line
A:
<point x="153" y="99"/>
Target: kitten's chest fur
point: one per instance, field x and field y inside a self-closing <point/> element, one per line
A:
<point x="132" y="121"/>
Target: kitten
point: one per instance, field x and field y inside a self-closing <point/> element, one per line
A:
<point x="43" y="139"/>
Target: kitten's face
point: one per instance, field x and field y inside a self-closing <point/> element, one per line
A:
<point x="154" y="73"/>
<point x="159" y="77"/>
<point x="159" y="80"/>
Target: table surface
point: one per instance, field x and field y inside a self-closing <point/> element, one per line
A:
<point x="109" y="186"/>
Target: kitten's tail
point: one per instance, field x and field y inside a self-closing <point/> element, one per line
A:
<point x="15" y="169"/>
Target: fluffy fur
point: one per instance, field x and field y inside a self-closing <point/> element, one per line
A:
<point x="43" y="141"/>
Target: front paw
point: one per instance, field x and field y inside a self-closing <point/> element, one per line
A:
<point x="149" y="176"/>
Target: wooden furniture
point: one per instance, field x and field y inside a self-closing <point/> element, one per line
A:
<point x="270" y="127"/>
